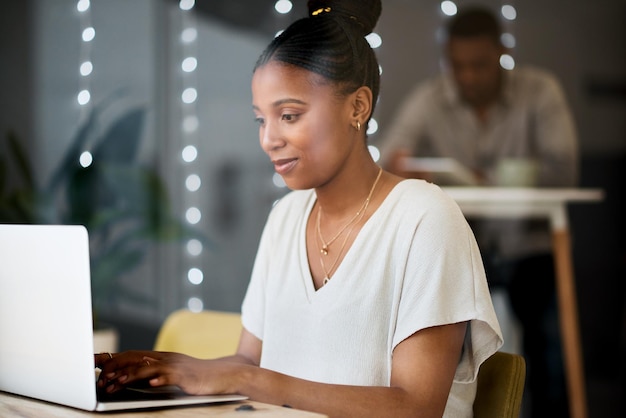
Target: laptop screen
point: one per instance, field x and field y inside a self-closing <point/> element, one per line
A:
<point x="46" y="330"/>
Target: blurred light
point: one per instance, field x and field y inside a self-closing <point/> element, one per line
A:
<point x="186" y="4"/>
<point x="509" y="12"/>
<point x="374" y="40"/>
<point x="195" y="305"/>
<point x="190" y="124"/>
<point x="193" y="215"/>
<point x="85" y="159"/>
<point x="194" y="247"/>
<point x="195" y="275"/>
<point x="189" y="35"/>
<point x="190" y="153"/>
<point x="508" y="40"/>
<point x="189" y="64"/>
<point x="82" y="5"/>
<point x="507" y="62"/>
<point x="448" y="8"/>
<point x="88" y="34"/>
<point x="278" y="181"/>
<point x="283" y="6"/>
<point x="374" y="152"/>
<point x="83" y="97"/>
<point x="380" y="69"/>
<point x="193" y="182"/>
<point x="189" y="95"/>
<point x="278" y="33"/>
<point x="372" y="127"/>
<point x="86" y="68"/>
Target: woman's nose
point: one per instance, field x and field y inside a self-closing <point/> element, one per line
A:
<point x="270" y="137"/>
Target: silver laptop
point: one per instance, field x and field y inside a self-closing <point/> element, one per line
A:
<point x="46" y="332"/>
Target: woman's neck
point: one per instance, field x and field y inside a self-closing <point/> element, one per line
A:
<point x="347" y="192"/>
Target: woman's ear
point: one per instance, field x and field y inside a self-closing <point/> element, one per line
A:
<point x="362" y="104"/>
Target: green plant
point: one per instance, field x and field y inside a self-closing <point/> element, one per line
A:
<point x="123" y="203"/>
<point x="17" y="203"/>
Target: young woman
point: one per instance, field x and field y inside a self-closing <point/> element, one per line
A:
<point x="368" y="297"/>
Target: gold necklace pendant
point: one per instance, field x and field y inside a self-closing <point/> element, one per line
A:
<point x="351" y="224"/>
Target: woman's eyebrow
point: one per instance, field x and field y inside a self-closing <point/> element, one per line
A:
<point x="282" y="102"/>
<point x="287" y="101"/>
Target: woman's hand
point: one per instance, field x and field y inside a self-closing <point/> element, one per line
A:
<point x="192" y="375"/>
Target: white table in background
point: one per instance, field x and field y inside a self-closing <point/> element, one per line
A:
<point x="550" y="204"/>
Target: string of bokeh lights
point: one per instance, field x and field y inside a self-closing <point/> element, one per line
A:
<point x="190" y="123"/>
<point x="87" y="33"/>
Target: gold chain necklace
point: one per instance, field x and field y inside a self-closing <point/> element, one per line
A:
<point x="325" y="245"/>
<point x="351" y="223"/>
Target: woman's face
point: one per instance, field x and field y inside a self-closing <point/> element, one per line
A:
<point x="305" y="127"/>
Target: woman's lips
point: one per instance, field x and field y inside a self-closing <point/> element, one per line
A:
<point x="285" y="165"/>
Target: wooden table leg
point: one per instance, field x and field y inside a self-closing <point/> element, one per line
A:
<point x="568" y="316"/>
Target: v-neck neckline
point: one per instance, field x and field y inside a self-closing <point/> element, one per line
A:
<point x="304" y="260"/>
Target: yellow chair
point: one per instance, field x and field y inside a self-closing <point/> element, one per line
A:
<point x="206" y="334"/>
<point x="500" y="386"/>
<point x="211" y="334"/>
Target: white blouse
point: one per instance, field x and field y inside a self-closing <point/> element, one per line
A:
<point x="414" y="264"/>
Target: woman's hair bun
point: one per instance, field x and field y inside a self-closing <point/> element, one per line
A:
<point x="363" y="12"/>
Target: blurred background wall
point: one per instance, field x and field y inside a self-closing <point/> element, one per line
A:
<point x="137" y="53"/>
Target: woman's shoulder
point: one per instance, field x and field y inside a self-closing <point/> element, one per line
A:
<point x="416" y="191"/>
<point x="418" y="199"/>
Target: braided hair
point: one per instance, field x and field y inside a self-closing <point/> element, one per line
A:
<point x="331" y="42"/>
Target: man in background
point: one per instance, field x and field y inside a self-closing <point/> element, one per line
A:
<point x="507" y="128"/>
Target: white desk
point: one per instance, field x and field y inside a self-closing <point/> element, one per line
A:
<point x="17" y="406"/>
<point x="548" y="204"/>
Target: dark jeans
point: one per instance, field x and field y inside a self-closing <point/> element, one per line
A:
<point x="530" y="284"/>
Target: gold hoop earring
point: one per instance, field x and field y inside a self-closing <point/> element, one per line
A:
<point x="358" y="126"/>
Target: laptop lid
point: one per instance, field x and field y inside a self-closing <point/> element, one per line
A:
<point x="46" y="329"/>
